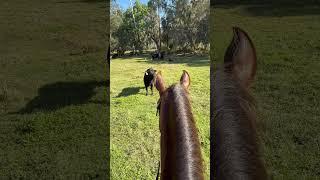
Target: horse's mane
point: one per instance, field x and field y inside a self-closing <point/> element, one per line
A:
<point x="188" y="153"/>
<point x="235" y="148"/>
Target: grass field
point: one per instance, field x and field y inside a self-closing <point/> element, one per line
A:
<point x="53" y="115"/>
<point x="134" y="126"/>
<point x="287" y="85"/>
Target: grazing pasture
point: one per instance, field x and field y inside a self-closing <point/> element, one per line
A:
<point x="134" y="126"/>
<point x="53" y="116"/>
<point x="287" y="82"/>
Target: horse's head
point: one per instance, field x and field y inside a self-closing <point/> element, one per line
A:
<point x="163" y="90"/>
<point x="160" y="84"/>
<point x="180" y="147"/>
<point x="234" y="143"/>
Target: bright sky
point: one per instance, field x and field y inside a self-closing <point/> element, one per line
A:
<point x="125" y="4"/>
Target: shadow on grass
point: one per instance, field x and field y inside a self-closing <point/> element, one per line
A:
<point x="60" y="94"/>
<point x="129" y="91"/>
<point x="274" y="8"/>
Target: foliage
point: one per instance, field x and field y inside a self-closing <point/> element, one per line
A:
<point x="176" y="24"/>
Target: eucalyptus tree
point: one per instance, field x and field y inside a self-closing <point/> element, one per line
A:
<point x="115" y="23"/>
<point x="156" y="8"/>
<point x="129" y="27"/>
<point x="201" y="12"/>
<point x="138" y="24"/>
<point x="186" y="24"/>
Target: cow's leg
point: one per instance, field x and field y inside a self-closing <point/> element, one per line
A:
<point x="151" y="86"/>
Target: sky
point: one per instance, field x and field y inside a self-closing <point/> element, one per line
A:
<point x="124" y="4"/>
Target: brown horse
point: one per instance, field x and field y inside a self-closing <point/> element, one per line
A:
<point x="234" y="141"/>
<point x="180" y="148"/>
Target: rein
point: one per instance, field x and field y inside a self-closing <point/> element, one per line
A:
<point x="158" y="107"/>
<point x="158" y="170"/>
<point x="158" y="111"/>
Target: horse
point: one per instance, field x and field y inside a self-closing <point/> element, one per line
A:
<point x="179" y="143"/>
<point x="234" y="141"/>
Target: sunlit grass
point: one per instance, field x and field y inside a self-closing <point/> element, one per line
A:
<point x="135" y="136"/>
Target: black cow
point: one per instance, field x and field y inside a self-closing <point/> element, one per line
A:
<point x="149" y="78"/>
<point x="158" y="55"/>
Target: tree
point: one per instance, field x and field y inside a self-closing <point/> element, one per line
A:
<point x="154" y="20"/>
<point x="180" y="24"/>
<point x="129" y="27"/>
<point x="115" y="23"/>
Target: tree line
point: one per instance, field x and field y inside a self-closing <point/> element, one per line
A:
<point x="165" y="25"/>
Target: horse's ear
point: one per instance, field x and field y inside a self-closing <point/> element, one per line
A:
<point x="185" y="79"/>
<point x="241" y="54"/>
<point x="160" y="86"/>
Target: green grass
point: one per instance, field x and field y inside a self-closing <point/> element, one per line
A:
<point x="53" y="89"/>
<point x="134" y="126"/>
<point x="287" y="83"/>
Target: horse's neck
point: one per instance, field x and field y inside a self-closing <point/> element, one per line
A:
<point x="182" y="140"/>
<point x="235" y="140"/>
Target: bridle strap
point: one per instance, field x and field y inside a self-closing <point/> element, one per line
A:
<point x="158" y="171"/>
<point x="158" y="111"/>
<point x="158" y="107"/>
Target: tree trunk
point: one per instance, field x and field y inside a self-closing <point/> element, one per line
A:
<point x="108" y="57"/>
<point x="191" y="41"/>
<point x="157" y="44"/>
<point x="159" y="31"/>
